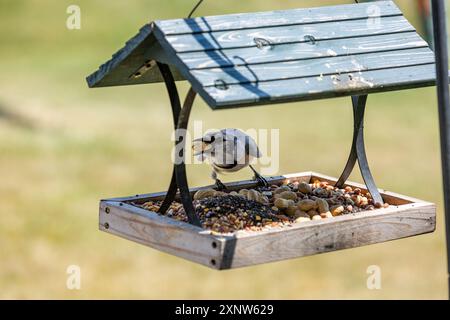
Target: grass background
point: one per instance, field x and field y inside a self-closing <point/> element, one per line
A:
<point x="63" y="147"/>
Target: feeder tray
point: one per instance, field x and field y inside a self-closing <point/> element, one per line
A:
<point x="265" y="58"/>
<point x="405" y="217"/>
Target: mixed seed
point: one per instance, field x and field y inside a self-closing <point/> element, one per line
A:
<point x="275" y="206"/>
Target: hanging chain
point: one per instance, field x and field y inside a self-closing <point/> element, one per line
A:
<point x="201" y="1"/>
<point x="195" y="9"/>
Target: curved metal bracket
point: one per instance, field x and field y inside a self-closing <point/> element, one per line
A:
<point x="358" y="151"/>
<point x="181" y="120"/>
<point x="180" y="168"/>
<point x="176" y="109"/>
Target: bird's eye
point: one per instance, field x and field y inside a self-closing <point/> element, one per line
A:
<point x="211" y="139"/>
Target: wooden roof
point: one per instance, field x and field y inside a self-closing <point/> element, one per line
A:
<point x="280" y="56"/>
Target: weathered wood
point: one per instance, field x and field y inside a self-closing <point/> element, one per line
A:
<point x="326" y="236"/>
<point x="141" y="198"/>
<point x="282" y="35"/>
<point x="407" y="218"/>
<point x="328" y="86"/>
<point x="321" y="60"/>
<point x="279" y="18"/>
<point x="281" y="56"/>
<point x="314" y="67"/>
<point x="141" y="49"/>
<point x="161" y="233"/>
<point x="298" y="51"/>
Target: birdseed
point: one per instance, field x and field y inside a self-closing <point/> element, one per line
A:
<point x="279" y="205"/>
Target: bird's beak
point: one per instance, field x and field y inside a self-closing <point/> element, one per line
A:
<point x="199" y="146"/>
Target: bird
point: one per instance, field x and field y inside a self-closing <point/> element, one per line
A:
<point x="227" y="151"/>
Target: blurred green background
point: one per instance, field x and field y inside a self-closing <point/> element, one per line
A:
<point x="63" y="147"/>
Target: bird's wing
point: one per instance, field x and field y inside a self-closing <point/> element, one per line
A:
<point x="228" y="151"/>
<point x="251" y="148"/>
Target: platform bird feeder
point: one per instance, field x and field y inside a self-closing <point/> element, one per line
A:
<point x="251" y="59"/>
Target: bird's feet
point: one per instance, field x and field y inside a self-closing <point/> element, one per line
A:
<point x="220" y="186"/>
<point x="262" y="182"/>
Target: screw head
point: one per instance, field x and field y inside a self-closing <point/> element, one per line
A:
<point x="262" y="43"/>
<point x="221" y="84"/>
<point x="107" y="210"/>
<point x="106" y="225"/>
<point x="310" y="39"/>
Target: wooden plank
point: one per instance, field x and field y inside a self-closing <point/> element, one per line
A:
<point x="339" y="233"/>
<point x="328" y="86"/>
<point x="237" y="185"/>
<point x="411" y="217"/>
<point x="278" y="18"/>
<point x="298" y="51"/>
<point x="332" y="35"/>
<point x="137" y="51"/>
<point x="284" y="34"/>
<point x="313" y="67"/>
<point x="161" y="233"/>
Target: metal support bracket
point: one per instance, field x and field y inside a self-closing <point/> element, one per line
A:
<point x="358" y="151"/>
<point x="181" y="121"/>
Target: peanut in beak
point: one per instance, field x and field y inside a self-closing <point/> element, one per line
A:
<point x="199" y="147"/>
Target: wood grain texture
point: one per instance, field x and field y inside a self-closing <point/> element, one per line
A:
<point x="298" y="51"/>
<point x="408" y="217"/>
<point x="278" y="18"/>
<point x="280" y="56"/>
<point x="300" y="61"/>
<point x="124" y="63"/>
<point x="237" y="185"/>
<point x="286" y="34"/>
<point x="314" y="67"/>
<point x="339" y="233"/>
<point x="161" y="233"/>
<point x="328" y="86"/>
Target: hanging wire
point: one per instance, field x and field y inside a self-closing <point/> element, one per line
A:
<point x="201" y="1"/>
<point x="195" y="9"/>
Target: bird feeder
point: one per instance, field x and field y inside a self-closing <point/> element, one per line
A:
<point x="252" y="59"/>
